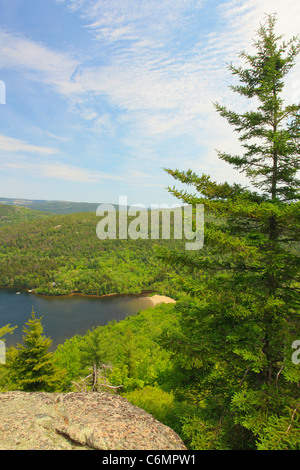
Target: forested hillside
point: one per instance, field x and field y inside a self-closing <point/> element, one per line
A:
<point x="10" y="214"/>
<point x="62" y="254"/>
<point x="54" y="207"/>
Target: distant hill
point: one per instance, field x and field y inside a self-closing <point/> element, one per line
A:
<point x="56" y="207"/>
<point x="10" y="214"/>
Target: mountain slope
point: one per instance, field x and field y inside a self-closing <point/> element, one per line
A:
<point x="57" y="207"/>
<point x="12" y="214"/>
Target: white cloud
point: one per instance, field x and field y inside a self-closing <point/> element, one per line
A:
<point x="153" y="78"/>
<point x="247" y="14"/>
<point x="10" y="144"/>
<point x="159" y="90"/>
<point x="163" y="91"/>
<point x="62" y="171"/>
<point x="131" y="19"/>
<point x="38" y="62"/>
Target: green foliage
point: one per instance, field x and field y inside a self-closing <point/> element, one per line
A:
<point x="270" y="134"/>
<point x="281" y="433"/>
<point x="62" y="254"/>
<point x="31" y="366"/>
<point x="129" y="346"/>
<point x="6" y="330"/>
<point x="233" y="348"/>
<point x="16" y="214"/>
<point x="68" y="358"/>
<point x="155" y="401"/>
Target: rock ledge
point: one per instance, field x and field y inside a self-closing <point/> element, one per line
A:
<point x="74" y="421"/>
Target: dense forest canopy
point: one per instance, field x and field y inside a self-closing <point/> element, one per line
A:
<point x="62" y="254"/>
<point x="17" y="214"/>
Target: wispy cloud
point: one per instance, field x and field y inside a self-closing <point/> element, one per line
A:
<point x="60" y="171"/>
<point x="154" y="86"/>
<point x="10" y="144"/>
<point x="140" y="95"/>
<point x="38" y="62"/>
<point x="131" y="20"/>
<point x="160" y="89"/>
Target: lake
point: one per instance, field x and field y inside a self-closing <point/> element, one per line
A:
<point x="64" y="316"/>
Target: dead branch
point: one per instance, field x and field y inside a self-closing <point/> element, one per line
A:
<point x="95" y="379"/>
<point x="244" y="376"/>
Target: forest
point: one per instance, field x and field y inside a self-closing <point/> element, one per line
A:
<point x="221" y="366"/>
<point x="17" y="214"/>
<point x="62" y="254"/>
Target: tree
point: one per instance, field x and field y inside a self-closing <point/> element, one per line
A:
<point x="32" y="367"/>
<point x="4" y="330"/>
<point x="92" y="353"/>
<point x="271" y="161"/>
<point x="234" y="348"/>
<point x="68" y="356"/>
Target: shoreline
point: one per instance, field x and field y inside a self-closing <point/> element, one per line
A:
<point x="25" y="290"/>
<point x="156" y="299"/>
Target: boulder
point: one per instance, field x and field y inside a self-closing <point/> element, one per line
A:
<point x="79" y="421"/>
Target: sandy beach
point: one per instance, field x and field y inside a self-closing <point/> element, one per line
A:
<point x="159" y="299"/>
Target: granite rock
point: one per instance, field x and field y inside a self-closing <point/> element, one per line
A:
<point x="79" y="421"/>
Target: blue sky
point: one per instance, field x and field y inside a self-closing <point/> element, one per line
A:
<point x="102" y="94"/>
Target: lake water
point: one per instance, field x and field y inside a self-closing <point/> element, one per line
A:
<point x="64" y="316"/>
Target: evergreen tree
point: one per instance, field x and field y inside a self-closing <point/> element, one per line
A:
<point x="32" y="367"/>
<point x="234" y="348"/>
<point x="4" y="330"/>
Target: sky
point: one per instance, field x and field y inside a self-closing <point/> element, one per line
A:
<point x="98" y="96"/>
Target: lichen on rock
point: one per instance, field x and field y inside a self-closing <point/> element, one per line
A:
<point x="82" y="420"/>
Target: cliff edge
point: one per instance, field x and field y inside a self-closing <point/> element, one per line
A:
<point x="74" y="421"/>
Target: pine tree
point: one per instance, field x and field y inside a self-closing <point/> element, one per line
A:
<point x="234" y="350"/>
<point x="4" y="330"/>
<point x="32" y="367"/>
